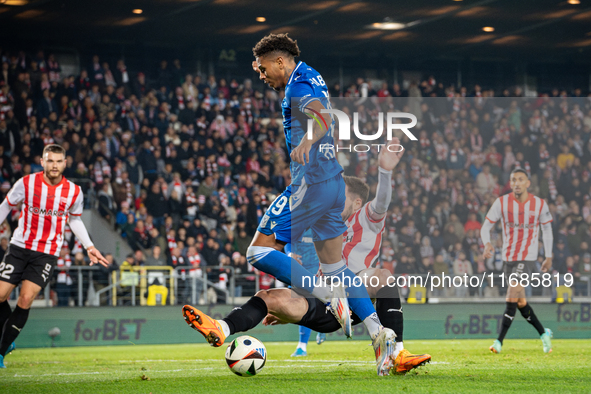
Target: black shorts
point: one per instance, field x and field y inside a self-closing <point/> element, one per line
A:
<point x="320" y="319"/>
<point x="519" y="267"/>
<point x="23" y="264"/>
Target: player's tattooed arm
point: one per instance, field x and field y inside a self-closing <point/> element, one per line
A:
<point x="321" y="126"/>
<point x="301" y="154"/>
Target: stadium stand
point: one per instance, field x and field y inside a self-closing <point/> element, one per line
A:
<point x="184" y="166"/>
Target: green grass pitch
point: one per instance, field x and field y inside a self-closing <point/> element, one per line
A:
<point x="333" y="367"/>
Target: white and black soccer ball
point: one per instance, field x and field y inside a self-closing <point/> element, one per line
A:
<point x="246" y="356"/>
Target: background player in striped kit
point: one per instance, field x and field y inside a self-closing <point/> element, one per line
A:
<point x="48" y="200"/>
<point x="521" y="216"/>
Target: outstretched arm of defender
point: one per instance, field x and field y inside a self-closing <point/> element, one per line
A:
<point x="388" y="161"/>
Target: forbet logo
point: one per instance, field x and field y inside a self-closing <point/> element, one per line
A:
<point x="345" y="129"/>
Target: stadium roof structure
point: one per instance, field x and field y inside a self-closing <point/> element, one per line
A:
<point x="556" y="30"/>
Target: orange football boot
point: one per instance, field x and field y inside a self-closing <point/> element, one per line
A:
<point x="208" y="327"/>
<point x="407" y="361"/>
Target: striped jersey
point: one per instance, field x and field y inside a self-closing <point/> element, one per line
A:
<point x="521" y="225"/>
<point x="362" y="240"/>
<point x="44" y="212"/>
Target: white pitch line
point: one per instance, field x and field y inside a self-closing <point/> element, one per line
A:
<point x="332" y="363"/>
<point x="108" y="373"/>
<point x="271" y="360"/>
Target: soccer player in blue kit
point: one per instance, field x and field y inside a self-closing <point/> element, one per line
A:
<point x="315" y="199"/>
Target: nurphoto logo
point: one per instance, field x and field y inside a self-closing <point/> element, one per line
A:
<point x="345" y="129"/>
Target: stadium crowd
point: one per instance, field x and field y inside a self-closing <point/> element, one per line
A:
<point x="185" y="165"/>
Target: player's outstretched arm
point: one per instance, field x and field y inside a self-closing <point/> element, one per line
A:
<point x="78" y="228"/>
<point x="388" y="159"/>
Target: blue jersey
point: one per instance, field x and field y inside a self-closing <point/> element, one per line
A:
<point x="305" y="248"/>
<point x="306" y="85"/>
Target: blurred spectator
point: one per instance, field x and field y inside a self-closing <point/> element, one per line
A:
<point x="156" y="257"/>
<point x="461" y="266"/>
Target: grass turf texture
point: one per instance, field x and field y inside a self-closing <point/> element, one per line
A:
<point x="458" y="366"/>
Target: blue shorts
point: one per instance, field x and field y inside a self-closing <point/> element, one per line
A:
<point x="317" y="207"/>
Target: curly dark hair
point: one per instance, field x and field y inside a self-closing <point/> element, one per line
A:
<point x="276" y="42"/>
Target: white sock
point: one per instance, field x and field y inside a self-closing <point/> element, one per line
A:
<point x="322" y="292"/>
<point x="398" y="347"/>
<point x="373" y="325"/>
<point x="303" y="346"/>
<point x="334" y="268"/>
<point x="225" y="327"/>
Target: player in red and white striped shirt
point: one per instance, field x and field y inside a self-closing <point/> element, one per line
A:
<point x="48" y="201"/>
<point x="521" y="216"/>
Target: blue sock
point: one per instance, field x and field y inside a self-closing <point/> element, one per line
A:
<point x="285" y="269"/>
<point x="356" y="295"/>
<point x="304" y="334"/>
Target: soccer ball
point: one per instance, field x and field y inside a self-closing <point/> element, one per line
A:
<point x="246" y="356"/>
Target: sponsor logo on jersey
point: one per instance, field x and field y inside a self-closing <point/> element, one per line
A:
<point x="46" y="212"/>
<point x="345" y="124"/>
<point x="521" y="225"/>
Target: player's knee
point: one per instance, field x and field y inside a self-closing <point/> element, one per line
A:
<point x="269" y="298"/>
<point x="254" y="254"/>
<point x="383" y="275"/>
<point x="25" y="300"/>
<point x="263" y="295"/>
<point x="521" y="303"/>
